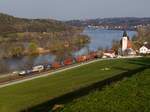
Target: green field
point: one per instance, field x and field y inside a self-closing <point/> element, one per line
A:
<point x="130" y="95"/>
<point x="28" y="94"/>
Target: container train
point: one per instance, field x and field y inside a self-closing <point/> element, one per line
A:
<point x="57" y="65"/>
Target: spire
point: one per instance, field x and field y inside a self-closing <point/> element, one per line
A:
<point x="125" y="34"/>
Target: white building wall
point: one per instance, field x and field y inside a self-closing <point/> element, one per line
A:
<point x="124" y="43"/>
<point x="144" y="50"/>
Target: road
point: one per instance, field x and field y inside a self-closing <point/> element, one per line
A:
<point x="55" y="72"/>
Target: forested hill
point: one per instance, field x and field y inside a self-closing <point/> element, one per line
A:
<point x="10" y="24"/>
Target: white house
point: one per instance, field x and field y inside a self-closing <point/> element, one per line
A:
<point x="109" y="53"/>
<point x="131" y="52"/>
<point x="145" y="49"/>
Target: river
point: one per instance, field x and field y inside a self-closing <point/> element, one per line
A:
<point x="98" y="39"/>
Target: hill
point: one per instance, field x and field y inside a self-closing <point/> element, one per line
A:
<point x="11" y="24"/>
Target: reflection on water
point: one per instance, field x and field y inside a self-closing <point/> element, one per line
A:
<point x="99" y="39"/>
<point x="103" y="38"/>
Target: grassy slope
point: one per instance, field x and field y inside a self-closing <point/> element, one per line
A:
<point x="21" y="96"/>
<point x="129" y="95"/>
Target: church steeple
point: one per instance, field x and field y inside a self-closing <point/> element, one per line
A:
<point x="125" y="34"/>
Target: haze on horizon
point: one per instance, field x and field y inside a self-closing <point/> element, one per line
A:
<point x="75" y="9"/>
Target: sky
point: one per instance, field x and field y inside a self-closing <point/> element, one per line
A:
<point x="75" y="9"/>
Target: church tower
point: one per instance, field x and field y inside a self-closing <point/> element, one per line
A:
<point x="124" y="41"/>
<point x="126" y="46"/>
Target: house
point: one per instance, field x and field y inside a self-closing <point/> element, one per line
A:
<point x="130" y="52"/>
<point x="145" y="49"/>
<point x="109" y="54"/>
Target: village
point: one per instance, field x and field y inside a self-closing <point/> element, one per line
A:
<point x="126" y="49"/>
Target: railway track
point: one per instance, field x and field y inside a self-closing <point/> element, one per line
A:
<point x="15" y="79"/>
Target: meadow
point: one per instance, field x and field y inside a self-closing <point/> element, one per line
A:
<point x="32" y="93"/>
<point x="129" y="95"/>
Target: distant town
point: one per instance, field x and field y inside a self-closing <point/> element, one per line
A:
<point x="130" y="23"/>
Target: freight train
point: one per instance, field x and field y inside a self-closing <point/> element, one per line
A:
<point x="57" y="65"/>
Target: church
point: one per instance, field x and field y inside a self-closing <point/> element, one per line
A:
<point x="126" y="46"/>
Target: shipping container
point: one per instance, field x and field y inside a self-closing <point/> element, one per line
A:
<point x="88" y="57"/>
<point x="38" y="68"/>
<point x="93" y="55"/>
<point x="80" y="59"/>
<point x="56" y="65"/>
<point x="68" y="61"/>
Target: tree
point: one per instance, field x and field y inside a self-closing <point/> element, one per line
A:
<point x="32" y="48"/>
<point x="115" y="46"/>
<point x="17" y="51"/>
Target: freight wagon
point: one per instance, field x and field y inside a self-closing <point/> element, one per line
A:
<point x="56" y="65"/>
<point x="38" y="68"/>
<point x="68" y="61"/>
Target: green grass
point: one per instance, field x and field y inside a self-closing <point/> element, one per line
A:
<point x="130" y="95"/>
<point x="22" y="96"/>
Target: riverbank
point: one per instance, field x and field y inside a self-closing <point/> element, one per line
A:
<point x="40" y="43"/>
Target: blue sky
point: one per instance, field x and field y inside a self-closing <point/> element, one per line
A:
<point x="75" y="9"/>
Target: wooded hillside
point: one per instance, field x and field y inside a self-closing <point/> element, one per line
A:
<point x="10" y="24"/>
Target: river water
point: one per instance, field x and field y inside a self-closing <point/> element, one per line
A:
<point x="99" y="39"/>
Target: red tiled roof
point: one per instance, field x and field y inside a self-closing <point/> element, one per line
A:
<point x="129" y="44"/>
<point x="109" y="51"/>
<point x="147" y="46"/>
